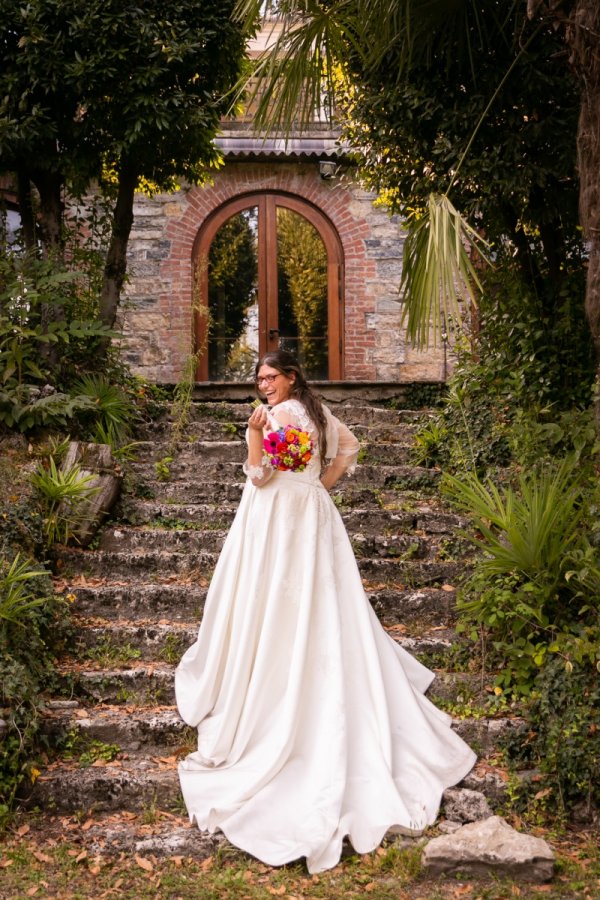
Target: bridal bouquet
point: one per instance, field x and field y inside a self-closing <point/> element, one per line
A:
<point x="288" y="449"/>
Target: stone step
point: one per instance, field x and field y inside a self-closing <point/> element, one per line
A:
<point x="417" y="517"/>
<point x="160" y="435"/>
<point x="138" y="783"/>
<point x="134" y="783"/>
<point x="153" y="684"/>
<point x="130" y="729"/>
<point x="211" y="474"/>
<point x="120" y="642"/>
<point x="140" y="780"/>
<point x="182" y="602"/>
<point x="355" y="412"/>
<point x="162" y="729"/>
<point x="149" y="565"/>
<point x="370" y="486"/>
<point x="188" y="456"/>
<point x="414" y="545"/>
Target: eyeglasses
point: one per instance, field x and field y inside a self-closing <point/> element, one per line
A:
<point x="267" y="379"/>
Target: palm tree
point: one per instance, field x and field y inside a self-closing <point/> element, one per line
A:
<point x="308" y="59"/>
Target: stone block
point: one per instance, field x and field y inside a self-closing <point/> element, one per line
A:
<point x="493" y="848"/>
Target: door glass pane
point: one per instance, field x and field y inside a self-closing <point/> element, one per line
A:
<point x="232" y="299"/>
<point x="302" y="292"/>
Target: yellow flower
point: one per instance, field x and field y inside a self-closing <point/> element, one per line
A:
<point x="71" y="597"/>
<point x="34" y="774"/>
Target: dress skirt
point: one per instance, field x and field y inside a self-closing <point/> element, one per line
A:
<point x="312" y="722"/>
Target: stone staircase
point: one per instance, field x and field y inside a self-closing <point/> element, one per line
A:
<point x="140" y="593"/>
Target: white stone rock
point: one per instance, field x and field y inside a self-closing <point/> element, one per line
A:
<point x="463" y="805"/>
<point x="490" y="847"/>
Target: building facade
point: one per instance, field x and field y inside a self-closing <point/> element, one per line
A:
<point x="167" y="308"/>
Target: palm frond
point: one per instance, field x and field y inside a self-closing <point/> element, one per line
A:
<point x="294" y="77"/>
<point x="438" y="272"/>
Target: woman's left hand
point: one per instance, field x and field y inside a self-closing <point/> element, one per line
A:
<point x="258" y="419"/>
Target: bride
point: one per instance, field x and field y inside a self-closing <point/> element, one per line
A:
<point x="312" y="722"/>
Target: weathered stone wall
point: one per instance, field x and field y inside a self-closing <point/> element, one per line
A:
<point x="157" y="311"/>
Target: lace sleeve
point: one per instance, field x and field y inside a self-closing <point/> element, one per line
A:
<point x="342" y="446"/>
<point x="260" y="474"/>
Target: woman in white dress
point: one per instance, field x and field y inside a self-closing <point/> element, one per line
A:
<point x="312" y="722"/>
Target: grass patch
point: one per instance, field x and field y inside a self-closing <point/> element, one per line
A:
<point x="55" y="863"/>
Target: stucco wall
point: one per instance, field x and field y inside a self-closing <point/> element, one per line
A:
<point x="157" y="310"/>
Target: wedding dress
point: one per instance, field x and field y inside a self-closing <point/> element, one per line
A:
<point x="312" y="722"/>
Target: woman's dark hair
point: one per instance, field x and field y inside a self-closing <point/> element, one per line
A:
<point x="288" y="365"/>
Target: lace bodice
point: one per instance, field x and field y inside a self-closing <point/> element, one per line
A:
<point x="342" y="446"/>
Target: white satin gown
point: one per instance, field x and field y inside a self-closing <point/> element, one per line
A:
<point x="312" y="722"/>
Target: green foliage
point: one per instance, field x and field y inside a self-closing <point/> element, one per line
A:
<point x="107" y="653"/>
<point x="438" y="268"/>
<point x="535" y="588"/>
<point x="115" y="411"/>
<point x="521" y="389"/>
<point x="62" y="491"/>
<point x="427" y="442"/>
<point x="86" y="750"/>
<point x="27" y="672"/>
<point x="16" y="594"/>
<point x="152" y="86"/>
<point x="561" y="735"/>
<point x="43" y="343"/>
<point x="162" y="468"/>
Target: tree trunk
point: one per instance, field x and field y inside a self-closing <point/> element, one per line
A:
<point x="583" y="38"/>
<point x="50" y="185"/>
<point x="116" y="258"/>
<point x="26" y="209"/>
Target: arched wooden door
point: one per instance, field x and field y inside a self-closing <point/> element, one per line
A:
<point x="268" y="274"/>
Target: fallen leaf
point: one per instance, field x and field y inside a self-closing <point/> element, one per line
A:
<point x="448" y="588"/>
<point x="277" y="891"/>
<point x="32" y="890"/>
<point x="23" y="830"/>
<point x="82" y="856"/>
<point x="144" y="863"/>
<point x="5" y="863"/>
<point x="42" y="857"/>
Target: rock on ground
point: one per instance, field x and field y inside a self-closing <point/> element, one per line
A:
<point x="490" y="847"/>
<point x="463" y="805"/>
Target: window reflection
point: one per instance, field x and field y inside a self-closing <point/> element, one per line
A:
<point x="232" y="299"/>
<point x="302" y="290"/>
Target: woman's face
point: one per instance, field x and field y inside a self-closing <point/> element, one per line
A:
<point x="276" y="386"/>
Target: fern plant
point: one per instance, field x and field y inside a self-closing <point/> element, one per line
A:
<point x="115" y="410"/>
<point x="16" y="597"/>
<point x="534" y="590"/>
<point x="63" y="493"/>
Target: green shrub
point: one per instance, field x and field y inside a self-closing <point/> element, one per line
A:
<point x="535" y="587"/>
<point x="62" y="493"/>
<point x="115" y="412"/>
<point x="28" y="644"/>
<point x="562" y="735"/>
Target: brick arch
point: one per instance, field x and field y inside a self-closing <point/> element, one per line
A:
<point x="333" y="199"/>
